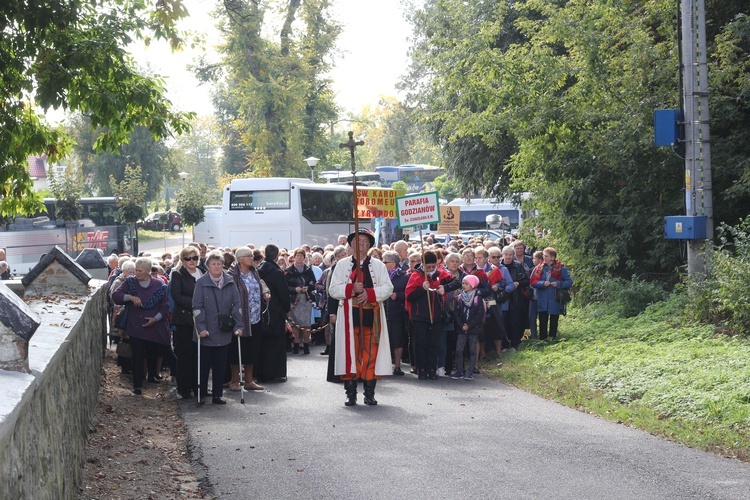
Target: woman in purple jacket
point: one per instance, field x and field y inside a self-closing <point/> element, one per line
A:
<point x="147" y="326"/>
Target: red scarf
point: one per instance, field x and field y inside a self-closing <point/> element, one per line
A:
<point x="536" y="274"/>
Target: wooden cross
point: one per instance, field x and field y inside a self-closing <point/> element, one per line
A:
<point x="351" y="144"/>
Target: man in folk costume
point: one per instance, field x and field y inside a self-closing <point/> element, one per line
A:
<point x="362" y="350"/>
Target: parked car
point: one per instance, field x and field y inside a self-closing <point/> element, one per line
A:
<point x="160" y="221"/>
<point x="484" y="233"/>
<point x="439" y="238"/>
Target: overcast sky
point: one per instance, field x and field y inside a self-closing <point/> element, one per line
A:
<point x="370" y="58"/>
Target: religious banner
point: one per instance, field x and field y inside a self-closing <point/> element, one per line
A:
<point x="451" y="219"/>
<point x="418" y="209"/>
<point x="375" y="202"/>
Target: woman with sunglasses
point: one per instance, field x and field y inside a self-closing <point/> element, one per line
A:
<point x="181" y="286"/>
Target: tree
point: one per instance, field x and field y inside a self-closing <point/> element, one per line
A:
<point x="140" y="149"/>
<point x="70" y="54"/>
<point x="197" y="154"/>
<point x="555" y="99"/>
<point x="272" y="95"/>
<point x="447" y="187"/>
<point x="131" y="197"/>
<point x="190" y="202"/>
<point x="67" y="189"/>
<point x="394" y="137"/>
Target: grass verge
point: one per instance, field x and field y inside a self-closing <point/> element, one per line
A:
<point x="654" y="372"/>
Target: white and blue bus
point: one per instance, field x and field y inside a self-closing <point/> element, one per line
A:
<point x="474" y="212"/>
<point x="371" y="179"/>
<point x="283" y="211"/>
<point x="418" y="178"/>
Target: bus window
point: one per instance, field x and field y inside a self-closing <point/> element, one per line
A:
<point x="326" y="206"/>
<point x="259" y="200"/>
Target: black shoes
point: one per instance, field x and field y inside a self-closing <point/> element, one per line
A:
<point x="137" y="391"/>
<point x="295" y="349"/>
<point x="327" y="351"/>
<point x="155" y="379"/>
<point x="432" y="375"/>
<point x="350" y="386"/>
<point x="306" y="349"/>
<point x="422" y="375"/>
<point x="219" y="401"/>
<point x="398" y="371"/>
<point x="370" y="392"/>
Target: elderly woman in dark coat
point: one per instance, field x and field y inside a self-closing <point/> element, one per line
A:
<point x="253" y="303"/>
<point x="301" y="282"/>
<point x="181" y="286"/>
<point x="215" y="293"/>
<point x="147" y="326"/>
<point x="272" y="356"/>
<point x="395" y="312"/>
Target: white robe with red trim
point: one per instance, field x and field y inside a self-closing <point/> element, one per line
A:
<point x="341" y="289"/>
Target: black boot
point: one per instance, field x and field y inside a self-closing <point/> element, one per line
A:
<point x="351" y="392"/>
<point x="306" y="349"/>
<point x="295" y="349"/>
<point x="370" y="392"/>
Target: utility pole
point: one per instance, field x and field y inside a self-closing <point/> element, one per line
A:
<point x="698" y="184"/>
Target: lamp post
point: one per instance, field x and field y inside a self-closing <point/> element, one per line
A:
<point x="311" y="162"/>
<point x="183" y="176"/>
<point x="338" y="168"/>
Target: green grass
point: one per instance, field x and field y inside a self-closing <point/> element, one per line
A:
<point x="655" y="371"/>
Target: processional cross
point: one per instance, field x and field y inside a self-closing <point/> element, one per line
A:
<point x="351" y="144"/>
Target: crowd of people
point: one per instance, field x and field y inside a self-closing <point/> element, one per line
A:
<point x="238" y="313"/>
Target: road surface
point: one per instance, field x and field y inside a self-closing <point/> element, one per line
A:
<point x="449" y="439"/>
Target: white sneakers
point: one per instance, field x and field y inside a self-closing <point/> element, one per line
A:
<point x="441" y="372"/>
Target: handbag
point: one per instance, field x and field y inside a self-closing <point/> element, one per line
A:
<point x="226" y="321"/>
<point x="124" y="349"/>
<point x="563" y="298"/>
<point x="121" y="320"/>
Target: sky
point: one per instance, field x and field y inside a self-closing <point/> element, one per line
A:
<point x="371" y="55"/>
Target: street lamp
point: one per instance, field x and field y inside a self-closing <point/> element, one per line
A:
<point x="338" y="168"/>
<point x="183" y="176"/>
<point x="311" y="162"/>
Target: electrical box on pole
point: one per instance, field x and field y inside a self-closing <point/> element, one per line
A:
<point x="667" y="127"/>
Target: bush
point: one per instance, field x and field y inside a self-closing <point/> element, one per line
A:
<point x="722" y="297"/>
<point x="626" y="298"/>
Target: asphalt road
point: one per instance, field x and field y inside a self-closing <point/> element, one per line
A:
<point x="449" y="439"/>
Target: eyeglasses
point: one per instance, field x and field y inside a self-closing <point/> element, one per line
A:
<point x="187" y="259"/>
<point x="494" y="256"/>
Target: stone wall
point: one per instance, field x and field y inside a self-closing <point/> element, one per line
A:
<point x="43" y="435"/>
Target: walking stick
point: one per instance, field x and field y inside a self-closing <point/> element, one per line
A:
<point x="196" y="312"/>
<point x="242" y="371"/>
<point x="424" y="268"/>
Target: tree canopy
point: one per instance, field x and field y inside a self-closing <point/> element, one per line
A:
<point x="271" y="93"/>
<point x="555" y="99"/>
<point x="71" y="55"/>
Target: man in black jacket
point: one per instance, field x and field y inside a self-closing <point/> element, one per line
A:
<point x="272" y="345"/>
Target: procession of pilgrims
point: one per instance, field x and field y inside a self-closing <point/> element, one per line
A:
<point x="216" y="321"/>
